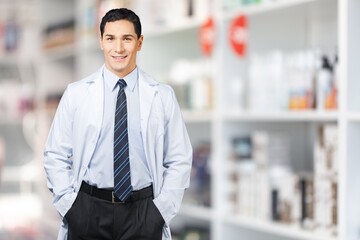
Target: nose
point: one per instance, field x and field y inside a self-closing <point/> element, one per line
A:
<point x="119" y="45"/>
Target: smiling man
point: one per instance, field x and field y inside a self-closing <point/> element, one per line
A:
<point x="118" y="156"/>
<point x="120" y="42"/>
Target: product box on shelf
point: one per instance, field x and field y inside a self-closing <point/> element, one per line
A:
<point x="199" y="190"/>
<point x="266" y="187"/>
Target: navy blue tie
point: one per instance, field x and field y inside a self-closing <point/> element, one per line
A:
<point x="122" y="180"/>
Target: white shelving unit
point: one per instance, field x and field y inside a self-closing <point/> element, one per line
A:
<point x="293" y="116"/>
<point x="222" y="121"/>
<point x="197" y="116"/>
<point x="201" y="213"/>
<point x="354" y="117"/>
<point x="265" y="7"/>
<point x="16" y="75"/>
<point x="163" y="31"/>
<point x="287" y="26"/>
<point x="349" y="124"/>
<point x="282" y="24"/>
<point x="285" y="231"/>
<point x="59" y="53"/>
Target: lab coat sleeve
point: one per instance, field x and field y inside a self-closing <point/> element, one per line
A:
<point x="58" y="156"/>
<point x="177" y="161"/>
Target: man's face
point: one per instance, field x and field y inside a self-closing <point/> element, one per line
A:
<point x="120" y="44"/>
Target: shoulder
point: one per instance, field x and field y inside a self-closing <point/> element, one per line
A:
<point x="77" y="88"/>
<point x="77" y="92"/>
<point x="163" y="88"/>
<point x="165" y="94"/>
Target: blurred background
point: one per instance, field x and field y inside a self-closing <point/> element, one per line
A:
<point x="268" y="91"/>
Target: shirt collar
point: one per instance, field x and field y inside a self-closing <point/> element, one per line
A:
<point x="111" y="79"/>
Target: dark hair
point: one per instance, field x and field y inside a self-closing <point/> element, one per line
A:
<point x="121" y="14"/>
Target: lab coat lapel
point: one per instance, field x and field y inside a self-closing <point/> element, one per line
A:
<point x="95" y="108"/>
<point x="147" y="92"/>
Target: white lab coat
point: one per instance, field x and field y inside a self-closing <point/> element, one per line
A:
<point x="75" y="131"/>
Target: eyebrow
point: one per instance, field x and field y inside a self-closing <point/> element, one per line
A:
<point x="129" y="35"/>
<point x="126" y="35"/>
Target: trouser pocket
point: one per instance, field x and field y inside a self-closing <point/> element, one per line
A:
<point x="78" y="215"/>
<point x="155" y="213"/>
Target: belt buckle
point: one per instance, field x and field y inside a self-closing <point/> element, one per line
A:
<point x="113" y="199"/>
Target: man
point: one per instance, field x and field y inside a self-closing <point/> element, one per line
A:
<point x="118" y="156"/>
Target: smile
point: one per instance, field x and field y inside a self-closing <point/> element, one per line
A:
<point x="119" y="58"/>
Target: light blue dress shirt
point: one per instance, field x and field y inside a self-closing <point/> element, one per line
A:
<point x="100" y="169"/>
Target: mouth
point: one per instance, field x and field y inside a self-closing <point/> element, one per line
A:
<point x="119" y="58"/>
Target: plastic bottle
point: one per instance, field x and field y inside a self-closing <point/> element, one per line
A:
<point x="332" y="98"/>
<point x="323" y="83"/>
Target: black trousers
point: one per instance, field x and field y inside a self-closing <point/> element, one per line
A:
<point x="92" y="218"/>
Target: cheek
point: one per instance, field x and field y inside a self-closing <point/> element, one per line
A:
<point x="106" y="47"/>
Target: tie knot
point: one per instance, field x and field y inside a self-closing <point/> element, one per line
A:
<point x="122" y="83"/>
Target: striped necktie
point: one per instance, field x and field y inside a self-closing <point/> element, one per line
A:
<point x="122" y="180"/>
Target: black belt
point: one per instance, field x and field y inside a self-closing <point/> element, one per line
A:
<point x="109" y="195"/>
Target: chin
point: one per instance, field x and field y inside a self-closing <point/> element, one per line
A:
<point x="119" y="69"/>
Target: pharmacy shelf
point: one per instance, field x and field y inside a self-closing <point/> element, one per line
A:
<point x="6" y="121"/>
<point x="285" y="116"/>
<point x="288" y="231"/>
<point x="9" y="59"/>
<point x="13" y="210"/>
<point x="59" y="53"/>
<point x="198" y="212"/>
<point x="89" y="44"/>
<point x="266" y="6"/>
<point x="353" y="117"/>
<point x="192" y="116"/>
<point x="184" y="25"/>
<point x="26" y="173"/>
<point x="269" y="29"/>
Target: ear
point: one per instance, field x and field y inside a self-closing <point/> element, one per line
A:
<point x="140" y="42"/>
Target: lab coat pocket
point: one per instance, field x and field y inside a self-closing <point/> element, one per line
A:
<point x="156" y="124"/>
